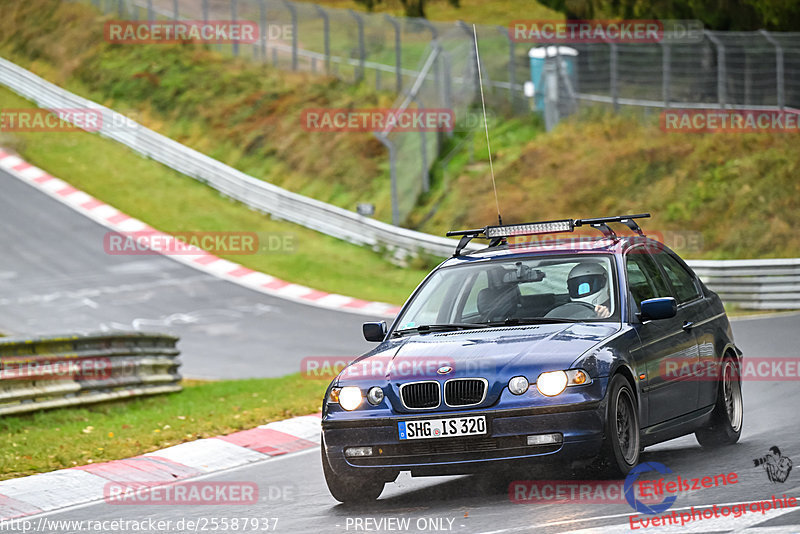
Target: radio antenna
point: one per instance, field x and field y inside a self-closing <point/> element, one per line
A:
<point x="485" y="125"/>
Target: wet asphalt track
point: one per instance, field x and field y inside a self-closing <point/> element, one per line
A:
<point x="55" y="277"/>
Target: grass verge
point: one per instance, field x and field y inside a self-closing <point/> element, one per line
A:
<point x="56" y="439"/>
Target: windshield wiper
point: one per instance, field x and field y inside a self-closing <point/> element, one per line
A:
<point x="421" y="329"/>
<point x="529" y="320"/>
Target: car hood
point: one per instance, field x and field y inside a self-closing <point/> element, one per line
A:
<point x="496" y="354"/>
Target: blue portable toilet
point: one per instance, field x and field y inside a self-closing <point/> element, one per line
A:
<point x="543" y="59"/>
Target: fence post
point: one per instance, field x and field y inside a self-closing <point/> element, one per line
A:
<point x="326" y="31"/>
<point x="393" y="174"/>
<point x="666" y="55"/>
<point x="512" y="71"/>
<point x="463" y="25"/>
<point x="205" y="11"/>
<point x="262" y="28"/>
<point x="613" y="75"/>
<point x="293" y="12"/>
<point x="398" y="62"/>
<point x="150" y="15"/>
<point x="426" y="178"/>
<point x="721" y="96"/>
<point x="175" y="14"/>
<point x="778" y="67"/>
<point x="361" y="48"/>
<point x="120" y="9"/>
<point x="234" y="16"/>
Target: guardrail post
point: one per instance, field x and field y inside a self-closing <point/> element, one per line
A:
<point x="666" y="64"/>
<point x="778" y="68"/>
<point x="362" y="53"/>
<point x="398" y="61"/>
<point x="234" y="17"/>
<point x="326" y="35"/>
<point x="721" y="75"/>
<point x="512" y="71"/>
<point x="393" y="174"/>
<point x="293" y="12"/>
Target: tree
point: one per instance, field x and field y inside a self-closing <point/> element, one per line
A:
<point x="733" y="15"/>
<point x="412" y="8"/>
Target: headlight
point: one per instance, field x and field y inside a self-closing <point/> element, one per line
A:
<point x="552" y="383"/>
<point x="518" y="385"/>
<point x="350" y="397"/>
<point x="375" y="395"/>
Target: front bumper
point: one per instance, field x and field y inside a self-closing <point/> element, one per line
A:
<point x="504" y="445"/>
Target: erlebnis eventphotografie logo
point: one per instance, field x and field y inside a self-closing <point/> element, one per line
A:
<point x="775" y="464"/>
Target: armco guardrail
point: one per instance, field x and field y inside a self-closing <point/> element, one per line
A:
<point x="754" y="284"/>
<point x="255" y="193"/>
<point x="57" y="371"/>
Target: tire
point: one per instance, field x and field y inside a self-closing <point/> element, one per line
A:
<point x="725" y="425"/>
<point x="346" y="489"/>
<point x="621" y="444"/>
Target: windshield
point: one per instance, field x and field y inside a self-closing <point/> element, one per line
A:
<point x="516" y="291"/>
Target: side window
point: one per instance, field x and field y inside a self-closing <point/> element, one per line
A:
<point x="471" y="305"/>
<point x="681" y="279"/>
<point x="644" y="278"/>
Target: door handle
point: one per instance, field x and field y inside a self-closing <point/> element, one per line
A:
<point x="688" y="325"/>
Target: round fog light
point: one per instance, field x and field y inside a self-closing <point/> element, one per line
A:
<point x="375" y="395"/>
<point x="518" y="385"/>
<point x="350" y="397"/>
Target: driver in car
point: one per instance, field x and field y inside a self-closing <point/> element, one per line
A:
<point x="588" y="283"/>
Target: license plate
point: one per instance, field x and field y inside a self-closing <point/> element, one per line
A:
<point x="442" y="428"/>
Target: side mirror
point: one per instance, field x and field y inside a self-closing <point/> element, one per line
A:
<point x="374" y="331"/>
<point x="659" y="308"/>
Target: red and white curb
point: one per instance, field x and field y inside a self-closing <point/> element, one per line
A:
<point x="116" y="220"/>
<point x="47" y="492"/>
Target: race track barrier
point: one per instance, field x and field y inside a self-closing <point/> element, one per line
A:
<point x="68" y="370"/>
<point x="772" y="284"/>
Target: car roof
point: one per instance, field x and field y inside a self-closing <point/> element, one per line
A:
<point x="574" y="245"/>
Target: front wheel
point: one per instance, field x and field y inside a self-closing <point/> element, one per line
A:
<point x="347" y="489"/>
<point x="725" y="426"/>
<point x="621" y="446"/>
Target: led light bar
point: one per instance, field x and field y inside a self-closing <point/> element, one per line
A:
<point x="549" y="227"/>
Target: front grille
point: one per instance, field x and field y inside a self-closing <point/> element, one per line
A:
<point x="464" y="392"/>
<point x="420" y="395"/>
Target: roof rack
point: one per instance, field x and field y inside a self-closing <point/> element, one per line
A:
<point x="499" y="234"/>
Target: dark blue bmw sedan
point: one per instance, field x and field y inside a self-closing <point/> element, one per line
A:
<point x="565" y="350"/>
